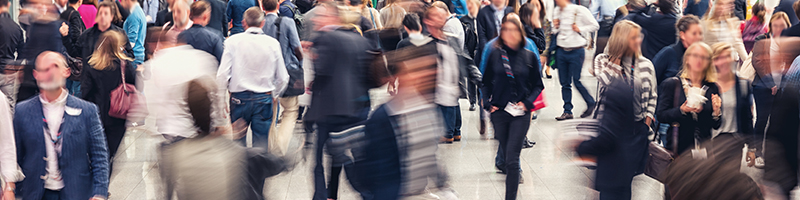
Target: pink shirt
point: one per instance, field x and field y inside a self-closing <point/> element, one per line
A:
<point x="88" y="13"/>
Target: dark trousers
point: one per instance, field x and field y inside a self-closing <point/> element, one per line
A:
<point x="764" y="99"/>
<point x="51" y="195"/>
<point x="472" y="93"/>
<point x="510" y="132"/>
<point x="615" y="193"/>
<point x="256" y="111"/>
<point x="324" y="128"/>
<point x="452" y="120"/>
<point x="570" y="64"/>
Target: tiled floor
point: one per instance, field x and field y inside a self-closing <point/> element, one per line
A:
<point x="549" y="172"/>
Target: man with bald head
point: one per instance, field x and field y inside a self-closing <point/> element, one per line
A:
<point x="181" y="22"/>
<point x="52" y="120"/>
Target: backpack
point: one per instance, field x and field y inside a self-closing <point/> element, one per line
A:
<point x="296" y="85"/>
<point x="298" y="19"/>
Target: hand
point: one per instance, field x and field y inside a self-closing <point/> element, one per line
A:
<point x="687" y="109"/>
<point x="556" y="23"/>
<point x="97" y="198"/>
<point x="575" y="28"/>
<point x="306" y="45"/>
<point x="8" y="195"/>
<point x="774" y="90"/>
<point x="522" y="105"/>
<point x="543" y="59"/>
<point x="648" y="121"/>
<point x="64" y="29"/>
<point x="494" y="108"/>
<point x="751" y="158"/>
<point x="716" y="103"/>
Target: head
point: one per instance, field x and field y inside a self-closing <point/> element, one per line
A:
<point x="394" y="17"/>
<point x="4" y="5"/>
<point x="723" y="59"/>
<point x="796" y="8"/>
<point x="109" y="48"/>
<point x="441" y="5"/>
<point x="75" y="2"/>
<point x="356" y="3"/>
<point x="253" y="17"/>
<point x="473" y="6"/>
<point x="697" y="60"/>
<point x="634" y="5"/>
<point x="531" y="11"/>
<point x="779" y="22"/>
<point x="562" y="3"/>
<point x="666" y="6"/>
<point x="270" y="5"/>
<point x="51" y="71"/>
<point x="721" y="10"/>
<point x="128" y="4"/>
<point x="512" y="33"/>
<point x="180" y="13"/>
<point x="328" y="14"/>
<point x="689" y="30"/>
<point x="106" y="13"/>
<point x="759" y="11"/>
<point x="499" y="3"/>
<point x="435" y="18"/>
<point x="411" y="23"/>
<point x="626" y="40"/>
<point x="200" y="12"/>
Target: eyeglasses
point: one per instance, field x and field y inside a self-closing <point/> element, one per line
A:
<point x="704" y="57"/>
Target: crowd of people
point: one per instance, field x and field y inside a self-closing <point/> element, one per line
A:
<point x="712" y="83"/>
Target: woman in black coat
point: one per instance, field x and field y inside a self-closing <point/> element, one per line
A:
<point x="511" y="78"/>
<point x="76" y="27"/>
<point x="693" y="122"/>
<point x="102" y="77"/>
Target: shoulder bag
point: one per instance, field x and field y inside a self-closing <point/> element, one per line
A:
<point x="659" y="157"/>
<point x="124" y="98"/>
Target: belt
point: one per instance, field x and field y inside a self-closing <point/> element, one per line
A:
<point x="571" y="49"/>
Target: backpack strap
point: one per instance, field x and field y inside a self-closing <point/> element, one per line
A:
<point x="278" y="28"/>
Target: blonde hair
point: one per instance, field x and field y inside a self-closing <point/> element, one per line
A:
<point x="779" y="16"/>
<point x="108" y="50"/>
<point x="711" y="15"/>
<point x="392" y="16"/>
<point x="618" y="42"/>
<point x="719" y="48"/>
<point x="710" y="74"/>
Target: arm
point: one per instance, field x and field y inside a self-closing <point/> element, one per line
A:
<point x="9" y="170"/>
<point x="488" y="84"/>
<point x="98" y="153"/>
<point x="603" y="143"/>
<point x="665" y="110"/>
<point x="587" y="24"/>
<point x="87" y="83"/>
<point x="228" y="12"/>
<point x="218" y="49"/>
<point x="652" y="102"/>
<point x="539" y="39"/>
<point x="660" y="64"/>
<point x="281" y="75"/>
<point x="224" y="71"/>
<point x="487" y="49"/>
<point x="132" y="29"/>
<point x="535" y="79"/>
<point x="595" y="10"/>
<point x="481" y="28"/>
<point x="74" y="34"/>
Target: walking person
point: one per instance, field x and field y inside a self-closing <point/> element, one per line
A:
<point x="720" y="25"/>
<point x="669" y="61"/>
<point x="10" y="172"/>
<point x="658" y="27"/>
<point x="489" y="20"/>
<point x="470" y="47"/>
<point x="569" y="21"/>
<point x="76" y="27"/>
<point x="198" y="35"/>
<point x="235" y="13"/>
<point x="252" y="69"/>
<point x="105" y="74"/>
<point x="769" y="72"/>
<point x="694" y="120"/>
<point x="510" y="86"/>
<point x="88" y="41"/>
<point x="136" y="28"/>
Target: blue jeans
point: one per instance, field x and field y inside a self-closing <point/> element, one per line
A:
<point x="339" y="158"/>
<point x="570" y="64"/>
<point x="256" y="111"/>
<point x="662" y="130"/>
<point x="452" y="120"/>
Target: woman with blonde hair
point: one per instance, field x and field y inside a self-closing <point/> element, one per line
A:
<point x="392" y="15"/>
<point x="720" y="25"/>
<point x="690" y="103"/>
<point x="105" y="74"/>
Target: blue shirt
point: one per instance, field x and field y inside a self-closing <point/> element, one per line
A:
<point x="605" y="8"/>
<point x="460" y="7"/>
<point x="136" y="28"/>
<point x="288" y="38"/>
<point x="529" y="45"/>
<point x="203" y="38"/>
<point x="235" y="13"/>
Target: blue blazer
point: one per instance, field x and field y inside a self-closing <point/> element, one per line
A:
<point x="84" y="158"/>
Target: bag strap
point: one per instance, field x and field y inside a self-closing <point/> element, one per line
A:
<point x="676" y="104"/>
<point x="278" y="28"/>
<point x="122" y="71"/>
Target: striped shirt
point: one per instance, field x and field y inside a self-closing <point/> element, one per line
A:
<point x="644" y="81"/>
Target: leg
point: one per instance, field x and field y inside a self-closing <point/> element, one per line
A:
<point x="518" y="128"/>
<point x="262" y="121"/>
<point x="448" y="115"/>
<point x="320" y="192"/>
<point x="500" y="124"/>
<point x="575" y="69"/>
<point x="240" y="112"/>
<point x="333" y="182"/>
<point x="300" y="110"/>
<point x="764" y="99"/>
<point x="457" y="129"/>
<point x="288" y="116"/>
<point x="51" y="195"/>
<point x="472" y="95"/>
<point x="565" y="79"/>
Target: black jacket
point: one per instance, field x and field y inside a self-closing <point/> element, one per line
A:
<point x="744" y="105"/>
<point x="11" y="38"/>
<point x="499" y="89"/>
<point x="537" y="35"/>
<point x="487" y="26"/>
<point x="87" y="42"/>
<point x="203" y="38"/>
<point x="659" y="31"/>
<point x="793" y="31"/>
<point x="618" y="147"/>
<point x="668" y="113"/>
<point x="96" y="87"/>
<point x="163" y="17"/>
<point x="740" y="8"/>
<point x="470" y="35"/>
<point x="218" y="19"/>
<point x="786" y="7"/>
<point x="76" y="28"/>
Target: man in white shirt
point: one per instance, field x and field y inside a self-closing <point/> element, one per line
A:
<point x="252" y="69"/>
<point x="9" y="170"/>
<point x="569" y="21"/>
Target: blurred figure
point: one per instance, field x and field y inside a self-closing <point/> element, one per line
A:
<point x="619" y="148"/>
<point x="79" y="171"/>
<point x="43" y="34"/>
<point x="218" y="20"/>
<point x="533" y="15"/>
<point x="755" y="27"/>
<point x="623" y="60"/>
<point x="793" y="31"/>
<point x="658" y="27"/>
<point x="199" y="36"/>
<point x="669" y="61"/>
<point x="694" y="120"/>
<point x="392" y="14"/>
<point x="735" y="93"/>
<point x="782" y="127"/>
<point x="569" y="56"/>
<point x="88" y="11"/>
<point x="9" y="170"/>
<point x="510" y="86"/>
<point x="10" y="34"/>
<point x="150" y="8"/>
<point x="452" y="25"/>
<point x="603" y="12"/>
<point x="767" y="76"/>
<point x="288" y="9"/>
<point x="235" y="12"/>
<point x="105" y="74"/>
<point x="310" y="26"/>
<point x="119" y="15"/>
<point x="372" y="15"/>
<point x="471" y="46"/>
<point x="696" y="7"/>
<point x="76" y="27"/>
<point x="11" y="78"/>
<point x="787" y="6"/>
<point x="691" y="178"/>
<point x="489" y="20"/>
<point x="408" y="124"/>
<point x="340" y="93"/>
<point x="252" y="69"/>
<point x="283" y="29"/>
<point x="721" y="26"/>
<point x="164" y="16"/>
<point x="180" y="15"/>
<point x="135" y="27"/>
<point x="87" y="42"/>
<point x="210" y="166"/>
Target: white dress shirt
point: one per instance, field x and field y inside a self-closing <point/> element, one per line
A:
<point x="172" y="70"/>
<point x="447" y="89"/>
<point x="252" y="61"/>
<point x="573" y="14"/>
<point x="54" y="114"/>
<point x="9" y="170"/>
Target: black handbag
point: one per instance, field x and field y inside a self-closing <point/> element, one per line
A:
<point x="659" y="157"/>
<point x="75" y="67"/>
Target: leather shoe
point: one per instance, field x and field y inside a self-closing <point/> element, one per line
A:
<point x="564" y="116"/>
<point x="446" y="140"/>
<point x="501" y="170"/>
<point x="457" y="138"/>
<point x="588" y="112"/>
<point x="472" y="107"/>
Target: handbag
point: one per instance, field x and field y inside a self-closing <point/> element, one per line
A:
<point x="659" y="158"/>
<point x="75" y="66"/>
<point x="539" y="103"/>
<point x="124" y="98"/>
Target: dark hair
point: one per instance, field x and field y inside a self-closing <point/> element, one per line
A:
<point x="199" y="107"/>
<point x="685" y="22"/>
<point x="3" y="3"/>
<point x="116" y="16"/>
<point x="198" y="8"/>
<point x="526" y="10"/>
<point x="759" y="11"/>
<point x="74" y="1"/>
<point x="356" y="2"/>
<point x="513" y="18"/>
<point x="269" y="5"/>
<point x="666" y="6"/>
<point x="411" y="22"/>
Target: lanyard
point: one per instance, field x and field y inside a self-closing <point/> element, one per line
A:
<point x="57" y="139"/>
<point x="625" y="76"/>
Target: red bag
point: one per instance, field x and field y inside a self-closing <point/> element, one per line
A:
<point x="124" y="98"/>
<point x="539" y="103"/>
